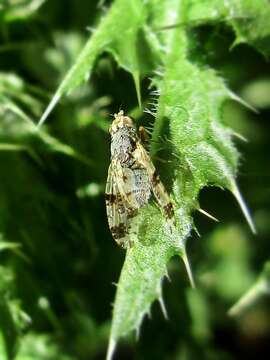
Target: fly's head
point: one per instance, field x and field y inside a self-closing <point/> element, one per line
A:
<point x="121" y="122"/>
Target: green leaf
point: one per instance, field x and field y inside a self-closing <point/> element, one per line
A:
<point x="6" y="245"/>
<point x="124" y="20"/>
<point x="128" y="21"/>
<point x="201" y="142"/>
<point x="201" y="154"/>
<point x="19" y="10"/>
<point x="40" y="346"/>
<point x="144" y="266"/>
<point x="253" y="25"/>
<point x="260" y="289"/>
<point x="8" y="328"/>
<point x="20" y="125"/>
<point x="249" y="19"/>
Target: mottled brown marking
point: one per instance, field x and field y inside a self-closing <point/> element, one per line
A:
<point x="155" y="178"/>
<point x="111" y="198"/>
<point x="169" y="210"/>
<point x="131" y="212"/>
<point x="119" y="231"/>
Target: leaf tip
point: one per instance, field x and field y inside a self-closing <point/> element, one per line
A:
<point x="188" y="269"/>
<point x="136" y="78"/>
<point x="208" y="215"/>
<point x="163" y="308"/>
<point x="167" y="276"/>
<point x="248" y="299"/>
<point x="242" y="102"/>
<point x="111" y="349"/>
<point x="48" y="110"/>
<point x="239" y="136"/>
<point x="235" y="191"/>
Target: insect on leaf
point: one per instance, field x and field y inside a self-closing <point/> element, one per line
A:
<point x="132" y="178"/>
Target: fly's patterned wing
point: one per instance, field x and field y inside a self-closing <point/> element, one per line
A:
<point x="157" y="187"/>
<point x="120" y="205"/>
<point x="131" y="179"/>
<point x="116" y="211"/>
<point x="134" y="185"/>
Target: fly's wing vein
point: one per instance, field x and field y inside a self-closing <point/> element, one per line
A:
<point x="119" y="211"/>
<point x="157" y="187"/>
<point x="134" y="185"/>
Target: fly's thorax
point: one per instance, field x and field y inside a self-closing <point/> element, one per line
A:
<point x="123" y="139"/>
<point x="123" y="143"/>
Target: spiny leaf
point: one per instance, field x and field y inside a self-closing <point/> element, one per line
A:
<point x="249" y="19"/>
<point x="124" y="20"/>
<point x="145" y="265"/>
<point x="190" y="107"/>
<point x="253" y="26"/>
<point x="128" y="20"/>
<point x="203" y="144"/>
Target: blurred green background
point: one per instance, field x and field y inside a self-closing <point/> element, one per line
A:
<point x="58" y="261"/>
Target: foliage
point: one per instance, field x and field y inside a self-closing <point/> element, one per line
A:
<point x="57" y="258"/>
